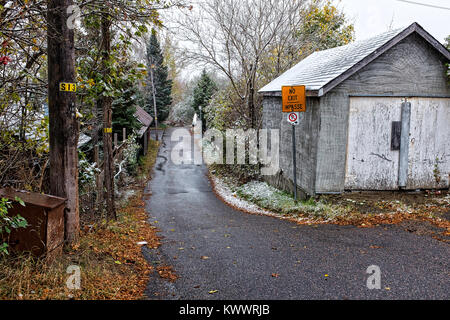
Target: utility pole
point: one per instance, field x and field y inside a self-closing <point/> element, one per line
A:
<point x="106" y="102"/>
<point x="63" y="124"/>
<point x="152" y="66"/>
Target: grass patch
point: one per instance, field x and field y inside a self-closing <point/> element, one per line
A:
<point x="111" y="261"/>
<point x="270" y="198"/>
<point x="147" y="162"/>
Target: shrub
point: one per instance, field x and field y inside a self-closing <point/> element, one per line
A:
<point x="8" y="223"/>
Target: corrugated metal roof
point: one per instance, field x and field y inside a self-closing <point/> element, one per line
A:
<point x="321" y="67"/>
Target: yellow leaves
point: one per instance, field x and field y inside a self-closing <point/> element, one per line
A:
<point x="213" y="291"/>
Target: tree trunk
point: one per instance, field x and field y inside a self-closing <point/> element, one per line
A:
<point x="63" y="127"/>
<point x="107" y="119"/>
<point x="251" y="98"/>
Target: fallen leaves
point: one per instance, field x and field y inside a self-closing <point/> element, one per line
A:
<point x="275" y="275"/>
<point x="213" y="291"/>
<point x="113" y="267"/>
<point x="167" y="272"/>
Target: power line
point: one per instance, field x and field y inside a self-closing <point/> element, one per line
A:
<point x="424" y="4"/>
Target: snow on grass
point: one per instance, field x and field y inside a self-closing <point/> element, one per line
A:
<point x="230" y="197"/>
<point x="259" y="198"/>
<point x="279" y="201"/>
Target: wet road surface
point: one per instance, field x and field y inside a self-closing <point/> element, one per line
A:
<point x="213" y="247"/>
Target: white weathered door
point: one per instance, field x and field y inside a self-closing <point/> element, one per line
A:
<point x="371" y="164"/>
<point x="429" y="147"/>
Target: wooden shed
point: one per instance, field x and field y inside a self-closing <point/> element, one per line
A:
<point x="378" y="116"/>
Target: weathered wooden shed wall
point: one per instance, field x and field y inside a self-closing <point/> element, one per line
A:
<point x="411" y="68"/>
<point x="307" y="133"/>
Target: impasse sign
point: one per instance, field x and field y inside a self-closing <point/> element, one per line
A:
<point x="294" y="98"/>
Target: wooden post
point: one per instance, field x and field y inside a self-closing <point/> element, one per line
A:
<point x="149" y="134"/>
<point x="97" y="156"/>
<point x="63" y="124"/>
<point x="145" y="144"/>
<point x="107" y="117"/>
<point x="124" y="132"/>
<point x="404" y="145"/>
<point x="98" y="181"/>
<point x="116" y="140"/>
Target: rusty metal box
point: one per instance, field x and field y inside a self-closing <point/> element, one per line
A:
<point x="45" y="216"/>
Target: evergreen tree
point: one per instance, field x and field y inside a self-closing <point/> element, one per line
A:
<point x="203" y="93"/>
<point x="163" y="85"/>
<point x="124" y="108"/>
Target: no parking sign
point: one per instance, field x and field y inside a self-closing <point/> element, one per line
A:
<point x="293" y="118"/>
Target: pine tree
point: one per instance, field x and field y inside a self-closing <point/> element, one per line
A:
<point x="124" y="108"/>
<point x="163" y="85"/>
<point x="203" y="93"/>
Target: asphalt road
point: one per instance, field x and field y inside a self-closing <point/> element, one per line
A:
<point x="258" y="257"/>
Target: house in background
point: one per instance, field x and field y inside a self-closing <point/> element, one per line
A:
<point x="378" y="116"/>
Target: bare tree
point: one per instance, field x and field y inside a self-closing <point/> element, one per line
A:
<point x="235" y="35"/>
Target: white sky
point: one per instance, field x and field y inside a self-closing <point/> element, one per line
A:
<point x="372" y="17"/>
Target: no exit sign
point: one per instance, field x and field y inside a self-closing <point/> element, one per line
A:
<point x="294" y="98"/>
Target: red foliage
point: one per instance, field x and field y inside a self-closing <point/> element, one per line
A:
<point x="5" y="60"/>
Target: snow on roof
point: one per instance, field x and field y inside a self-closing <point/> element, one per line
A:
<point x="83" y="139"/>
<point x="322" y="67"/>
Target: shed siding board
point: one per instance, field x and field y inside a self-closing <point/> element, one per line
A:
<point x="411" y="68"/>
<point x="371" y="164"/>
<point x="306" y="140"/>
<point x="331" y="153"/>
<point x="429" y="146"/>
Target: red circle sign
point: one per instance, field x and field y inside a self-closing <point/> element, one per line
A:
<point x="293" y="117"/>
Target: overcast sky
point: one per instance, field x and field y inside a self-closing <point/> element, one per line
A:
<point x="372" y="17"/>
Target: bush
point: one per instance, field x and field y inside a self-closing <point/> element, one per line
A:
<point x="8" y="223"/>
